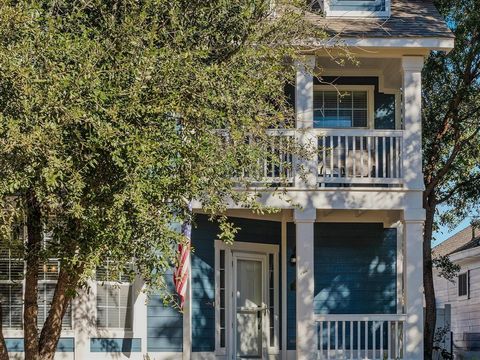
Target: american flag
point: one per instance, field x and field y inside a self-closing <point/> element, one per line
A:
<point x="180" y="276"/>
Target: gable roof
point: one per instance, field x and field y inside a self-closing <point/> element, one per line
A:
<point x="409" y="19"/>
<point x="462" y="240"/>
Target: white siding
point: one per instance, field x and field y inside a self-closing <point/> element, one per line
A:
<point x="465" y="311"/>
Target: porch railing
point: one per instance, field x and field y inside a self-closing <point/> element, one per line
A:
<point x="361" y="336"/>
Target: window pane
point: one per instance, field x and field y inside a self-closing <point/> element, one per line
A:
<point x="125" y="295"/>
<point x="101" y="317"/>
<point x="345" y="100"/>
<point x="318" y="99"/>
<point x="359" y="118"/>
<point x="359" y="99"/>
<point x="125" y="318"/>
<point x="330" y="99"/>
<point x="113" y="318"/>
<point x="113" y="295"/>
<point x="101" y="295"/>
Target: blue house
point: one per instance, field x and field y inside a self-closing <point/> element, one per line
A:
<point x="337" y="272"/>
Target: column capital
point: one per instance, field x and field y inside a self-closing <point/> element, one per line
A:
<point x="308" y="215"/>
<point x="412" y="63"/>
<point x="414" y="215"/>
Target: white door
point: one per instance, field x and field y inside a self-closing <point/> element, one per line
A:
<point x="249" y="299"/>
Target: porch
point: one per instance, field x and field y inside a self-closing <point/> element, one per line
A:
<point x="332" y="287"/>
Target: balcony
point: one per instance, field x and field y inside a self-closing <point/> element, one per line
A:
<point x="336" y="157"/>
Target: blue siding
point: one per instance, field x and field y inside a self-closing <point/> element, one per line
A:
<point x="126" y="345"/>
<point x="203" y="266"/>
<point x="355" y="269"/>
<point x="64" y="345"/>
<point x="164" y="324"/>
<point x="357" y="5"/>
<point x="384" y="103"/>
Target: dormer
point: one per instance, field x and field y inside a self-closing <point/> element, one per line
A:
<point x="356" y="8"/>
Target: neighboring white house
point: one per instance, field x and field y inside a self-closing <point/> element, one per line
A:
<point x="463" y="295"/>
<point x="337" y="277"/>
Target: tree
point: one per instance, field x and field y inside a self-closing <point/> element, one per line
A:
<point x="451" y="140"/>
<point x="109" y="118"/>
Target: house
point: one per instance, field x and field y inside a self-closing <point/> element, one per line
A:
<point x="462" y="294"/>
<point x="337" y="272"/>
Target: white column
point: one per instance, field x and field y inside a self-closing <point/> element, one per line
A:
<point x="140" y="309"/>
<point x="306" y="172"/>
<point x="413" y="270"/>
<point x="412" y="115"/>
<point x="306" y="334"/>
<point x="83" y="314"/>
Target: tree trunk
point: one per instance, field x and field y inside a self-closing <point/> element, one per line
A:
<point x="53" y="325"/>
<point x="3" y="345"/>
<point x="430" y="304"/>
<point x="34" y="242"/>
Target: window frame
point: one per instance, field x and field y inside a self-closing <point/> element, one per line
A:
<point x="467" y="285"/>
<point x="369" y="89"/>
<point x="43" y="282"/>
<point x="355" y="13"/>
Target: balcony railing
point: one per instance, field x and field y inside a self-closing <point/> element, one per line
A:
<point x="343" y="157"/>
<point x="361" y="336"/>
<point x="351" y="156"/>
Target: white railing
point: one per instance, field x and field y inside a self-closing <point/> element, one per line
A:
<point x="356" y="156"/>
<point x="361" y="336"/>
<point x="278" y="169"/>
<point x="342" y="156"/>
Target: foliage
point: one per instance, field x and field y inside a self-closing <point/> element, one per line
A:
<point x="109" y="118"/>
<point x="451" y="135"/>
<point x="447" y="269"/>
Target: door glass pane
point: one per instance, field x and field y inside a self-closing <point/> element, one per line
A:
<point x="249" y="314"/>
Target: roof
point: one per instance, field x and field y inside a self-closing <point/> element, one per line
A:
<point x="409" y="19"/>
<point x="462" y="240"/>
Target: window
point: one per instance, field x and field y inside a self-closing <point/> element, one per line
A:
<point x="11" y="284"/>
<point x="341" y="109"/>
<point x="463" y="280"/>
<point x="114" y="299"/>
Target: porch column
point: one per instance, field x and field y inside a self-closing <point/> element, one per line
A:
<point x="306" y="169"/>
<point x="413" y="236"/>
<point x="412" y="118"/>
<point x="306" y="334"/>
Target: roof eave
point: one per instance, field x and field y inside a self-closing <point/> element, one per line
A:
<point x="427" y="43"/>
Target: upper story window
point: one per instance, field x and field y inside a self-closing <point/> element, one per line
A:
<point x="356" y="8"/>
<point x="342" y="107"/>
<point x="114" y="299"/>
<point x="463" y="283"/>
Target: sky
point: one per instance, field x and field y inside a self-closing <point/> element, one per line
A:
<point x="444" y="232"/>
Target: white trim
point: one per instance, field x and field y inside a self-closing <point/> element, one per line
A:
<point x="400" y="283"/>
<point x="187" y="315"/>
<point x="284" y="284"/>
<point x="355" y="13"/>
<point x="434" y="43"/>
<point x="370" y="89"/>
<point x="465" y="254"/>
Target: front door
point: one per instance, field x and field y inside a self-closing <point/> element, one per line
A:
<point x="250" y="305"/>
